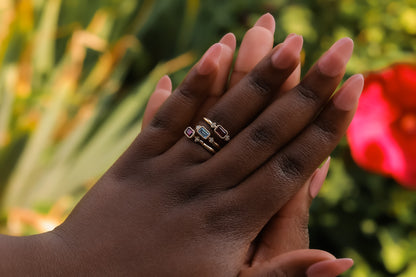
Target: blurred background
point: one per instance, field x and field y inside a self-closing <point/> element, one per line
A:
<point x="75" y="77"/>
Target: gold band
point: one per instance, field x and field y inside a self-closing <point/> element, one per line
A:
<point x="191" y="134"/>
<point x="221" y="132"/>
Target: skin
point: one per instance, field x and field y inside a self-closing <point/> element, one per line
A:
<point x="288" y="229"/>
<point x="168" y="207"/>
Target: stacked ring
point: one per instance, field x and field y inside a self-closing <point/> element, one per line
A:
<point x="205" y="134"/>
<point x="218" y="129"/>
<point x="191" y="134"/>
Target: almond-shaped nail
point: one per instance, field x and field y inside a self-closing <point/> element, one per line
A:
<point x="164" y="84"/>
<point x="333" y="62"/>
<point x="210" y="60"/>
<point x="329" y="268"/>
<point x="318" y="179"/>
<point x="267" y="21"/>
<point x="347" y="97"/>
<point x="229" y="40"/>
<point x="288" y="52"/>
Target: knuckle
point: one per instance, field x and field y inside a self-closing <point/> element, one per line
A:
<point x="160" y="122"/>
<point x="262" y="135"/>
<point x="308" y="94"/>
<point x="290" y="166"/>
<point x="327" y="130"/>
<point x="259" y="85"/>
<point x="185" y="94"/>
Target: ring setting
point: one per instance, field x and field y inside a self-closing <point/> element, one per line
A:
<point x="203" y="136"/>
<point x="218" y="129"/>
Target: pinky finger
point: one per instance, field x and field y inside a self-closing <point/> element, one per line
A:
<point x="162" y="92"/>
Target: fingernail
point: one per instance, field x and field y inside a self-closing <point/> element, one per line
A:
<point x="267" y="21"/>
<point x="318" y="179"/>
<point x="210" y="60"/>
<point x="164" y="84"/>
<point x="333" y="62"/>
<point x="329" y="268"/>
<point x="288" y="52"/>
<point x="289" y="36"/>
<point x="229" y="40"/>
<point x="347" y="97"/>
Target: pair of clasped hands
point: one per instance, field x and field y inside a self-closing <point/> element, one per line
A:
<point x="169" y="207"/>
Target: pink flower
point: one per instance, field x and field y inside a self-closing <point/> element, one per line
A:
<point x="382" y="135"/>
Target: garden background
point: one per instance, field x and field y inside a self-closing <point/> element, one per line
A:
<point x="75" y="76"/>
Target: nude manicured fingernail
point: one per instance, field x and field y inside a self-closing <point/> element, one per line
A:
<point x="210" y="60"/>
<point x="319" y="178"/>
<point x="347" y="97"/>
<point x="329" y="268"/>
<point x="164" y="84"/>
<point x="333" y="62"/>
<point x="289" y="36"/>
<point x="285" y="55"/>
<point x="267" y="21"/>
<point x="229" y="40"/>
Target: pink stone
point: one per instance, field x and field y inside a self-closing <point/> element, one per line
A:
<point x="189" y="132"/>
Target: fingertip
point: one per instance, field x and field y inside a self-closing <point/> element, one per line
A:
<point x="229" y="40"/>
<point x="333" y="62"/>
<point x="347" y="98"/>
<point x="165" y="83"/>
<point x="288" y="52"/>
<point x="210" y="60"/>
<point x="266" y="21"/>
<point x="318" y="179"/>
<point x="329" y="268"/>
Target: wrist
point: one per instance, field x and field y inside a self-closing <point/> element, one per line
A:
<point x="39" y="255"/>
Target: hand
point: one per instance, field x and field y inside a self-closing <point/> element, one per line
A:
<point x="184" y="214"/>
<point x="288" y="229"/>
<point x="168" y="207"/>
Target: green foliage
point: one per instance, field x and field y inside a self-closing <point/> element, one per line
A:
<point x="75" y="76"/>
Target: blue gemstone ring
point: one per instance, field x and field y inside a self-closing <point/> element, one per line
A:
<point x="205" y="134"/>
<point x="192" y="134"/>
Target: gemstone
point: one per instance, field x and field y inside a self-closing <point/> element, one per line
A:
<point x="221" y="132"/>
<point x="202" y="131"/>
<point x="189" y="132"/>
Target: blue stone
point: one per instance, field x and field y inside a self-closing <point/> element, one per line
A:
<point x="203" y="132"/>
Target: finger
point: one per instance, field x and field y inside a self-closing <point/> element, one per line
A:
<point x="225" y="62"/>
<point x="293" y="80"/>
<point x="282" y="120"/>
<point x="162" y="91"/>
<point x="329" y="268"/>
<point x="288" y="229"/>
<point x="220" y="82"/>
<point x="245" y="100"/>
<point x="179" y="109"/>
<point x="279" y="179"/>
<point x="292" y="264"/>
<point x="256" y="44"/>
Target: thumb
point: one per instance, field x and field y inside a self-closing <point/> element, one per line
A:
<point x="300" y="263"/>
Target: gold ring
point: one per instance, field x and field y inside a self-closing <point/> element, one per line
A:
<point x="218" y="129"/>
<point x="191" y="134"/>
<point x="205" y="134"/>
